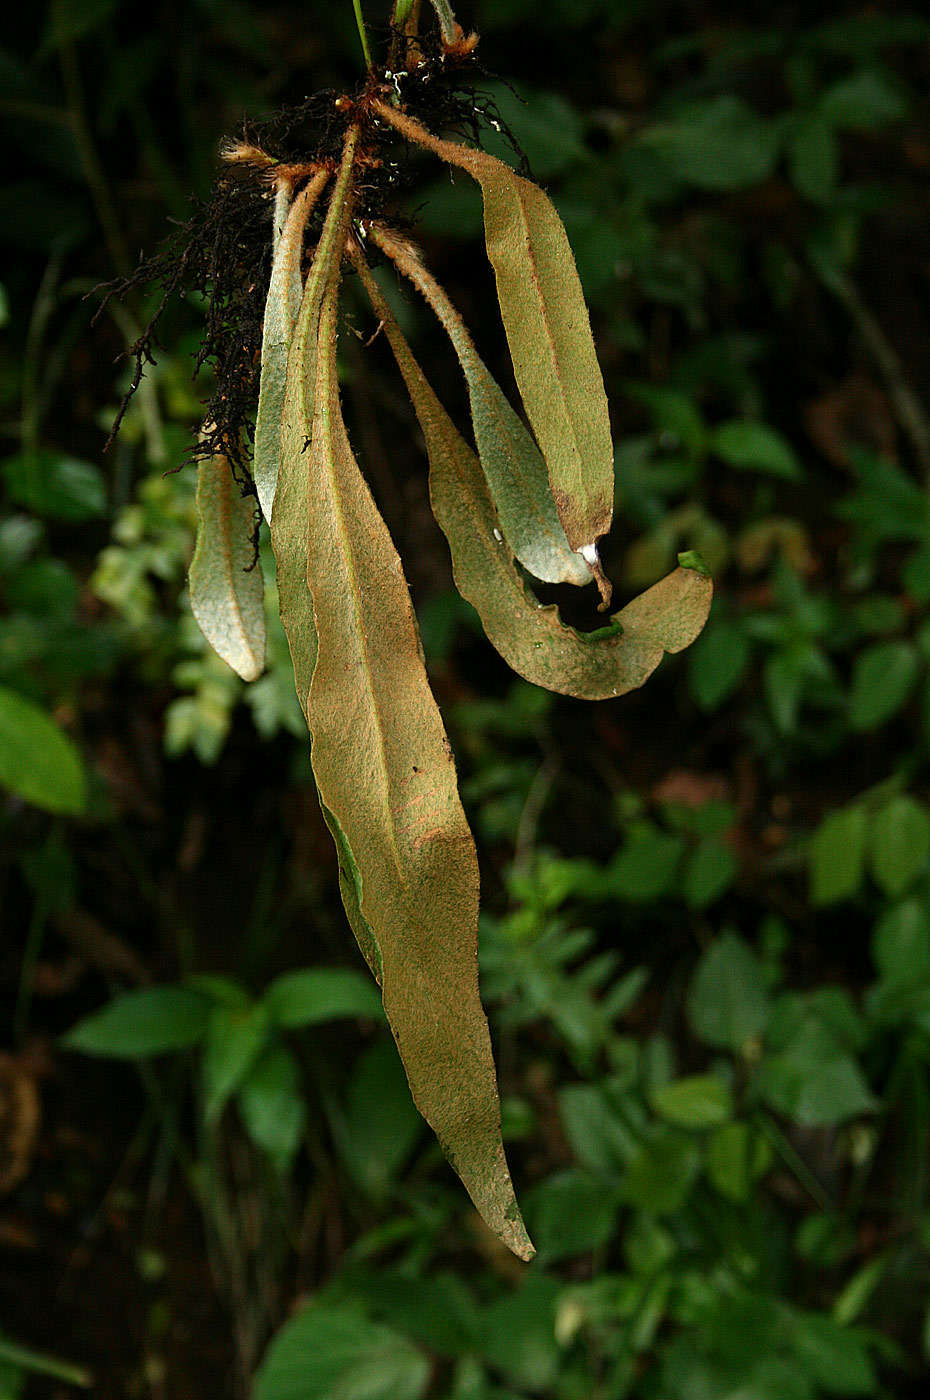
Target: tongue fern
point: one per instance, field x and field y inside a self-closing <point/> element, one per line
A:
<point x="539" y="497"/>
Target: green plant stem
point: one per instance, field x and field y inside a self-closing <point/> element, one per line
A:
<point x="32" y="951"/>
<point x="359" y="20"/>
<point x="42" y="310"/>
<point x="93" y="168"/>
<point x="96" y="180"/>
<point x="40" y="1364"/>
<point x="908" y="407"/>
<point x="796" y="1163"/>
<point x="447" y="22"/>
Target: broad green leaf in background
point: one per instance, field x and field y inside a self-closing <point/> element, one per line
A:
<point x="531" y="638"/>
<point x="718" y="663"/>
<point x="516" y="1334"/>
<point x="68" y="20"/>
<point x="863" y="101"/>
<point x="272" y="1106"/>
<point x="646" y="866"/>
<point x="813" y="1079"/>
<point x="728" y="1003"/>
<point x="837" y="855"/>
<point x="385" y="773"/>
<point x="434" y="1308"/>
<point x="710" y="870"/>
<point x="335" y="1352"/>
<point x="226" y="586"/>
<point x="548" y="331"/>
<point x="38" y="762"/>
<point x="736" y="1156"/>
<point x="899" y="843"/>
<point x="378" y="1127"/>
<point x="597" y="1134"/>
<point x="57" y="486"/>
<point x="835" y="1356"/>
<point x="883" y="678"/>
<point x="148" y="1022"/>
<point x="783" y="676"/>
<point x="512" y="463"/>
<point x="548" y="129"/>
<point x="814" y="157"/>
<point x="282" y="308"/>
<point x="314" y="994"/>
<point x="754" y="447"/>
<point x="571" y="1213"/>
<point x="661" y="1174"/>
<point x="901" y="943"/>
<point x="235" y="1038"/>
<point x="699" y="1101"/>
<point x="718" y="143"/>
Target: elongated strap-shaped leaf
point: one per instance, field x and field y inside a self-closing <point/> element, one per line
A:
<point x="282" y="307"/>
<point x="283" y="194"/>
<point x="290" y="516"/>
<point x="531" y="638"/>
<point x="226" y="587"/>
<point x="548" y="330"/>
<point x="386" y="778"/>
<point x="513" y="465"/>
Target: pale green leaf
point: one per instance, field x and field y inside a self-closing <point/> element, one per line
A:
<point x="282" y="306"/>
<point x="290" y="517"/>
<point x="226" y="587"/>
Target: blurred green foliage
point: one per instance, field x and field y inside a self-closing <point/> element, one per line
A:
<point x="706" y="954"/>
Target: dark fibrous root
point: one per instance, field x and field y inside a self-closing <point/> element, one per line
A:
<point x="221" y="254"/>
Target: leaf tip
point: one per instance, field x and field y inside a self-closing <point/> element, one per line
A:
<point x="691" y="559"/>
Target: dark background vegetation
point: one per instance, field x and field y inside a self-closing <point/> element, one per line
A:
<point x="706" y="945"/>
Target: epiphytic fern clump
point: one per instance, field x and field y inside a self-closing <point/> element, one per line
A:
<point x="523" y="503"/>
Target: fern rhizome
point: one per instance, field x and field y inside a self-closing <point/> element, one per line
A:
<point x="303" y="201"/>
